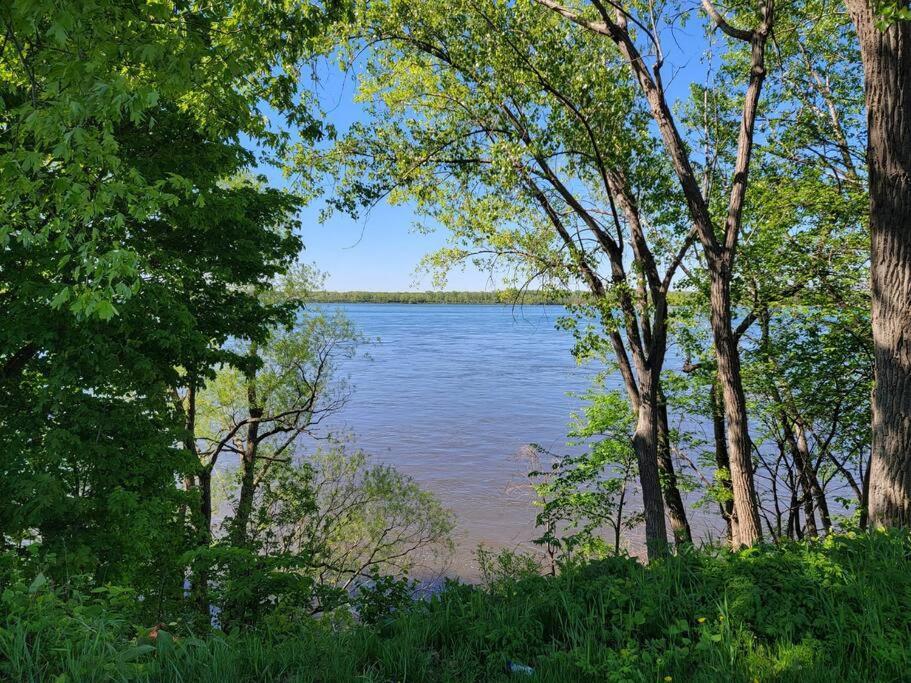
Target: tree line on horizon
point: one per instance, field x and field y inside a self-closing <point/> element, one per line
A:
<point x="432" y="296"/>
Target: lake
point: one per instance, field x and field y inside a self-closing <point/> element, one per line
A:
<point x="453" y="395"/>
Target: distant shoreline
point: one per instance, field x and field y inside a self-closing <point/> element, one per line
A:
<point x="503" y="297"/>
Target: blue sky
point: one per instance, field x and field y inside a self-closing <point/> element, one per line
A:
<point x="382" y="251"/>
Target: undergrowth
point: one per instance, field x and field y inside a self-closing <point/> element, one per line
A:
<point x="829" y="610"/>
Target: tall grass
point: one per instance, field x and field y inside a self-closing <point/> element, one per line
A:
<point x="834" y="610"/>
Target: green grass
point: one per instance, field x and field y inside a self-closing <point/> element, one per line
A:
<point x="837" y="610"/>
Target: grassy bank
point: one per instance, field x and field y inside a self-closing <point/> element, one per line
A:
<point x="832" y="610"/>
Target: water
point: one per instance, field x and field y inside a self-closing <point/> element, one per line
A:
<point x="453" y="395"/>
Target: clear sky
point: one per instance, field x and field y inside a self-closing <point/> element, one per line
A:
<point x="378" y="253"/>
<point x="381" y="252"/>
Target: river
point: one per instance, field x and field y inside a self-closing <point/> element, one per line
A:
<point x="453" y="395"/>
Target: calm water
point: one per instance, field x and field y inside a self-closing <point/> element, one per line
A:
<point x="453" y="395"/>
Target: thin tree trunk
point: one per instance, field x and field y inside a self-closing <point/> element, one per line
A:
<point x="801" y="465"/>
<point x="816" y="490"/>
<point x="673" y="501"/>
<point x="619" y="525"/>
<point x="865" y="500"/>
<point x="248" y="468"/>
<point x="722" y="463"/>
<point x="204" y="479"/>
<point x="645" y="444"/>
<point x="795" y="530"/>
<point x="201" y="518"/>
<point x="886" y="56"/>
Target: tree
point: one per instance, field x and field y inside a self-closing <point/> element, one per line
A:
<point x="259" y="414"/>
<point x="531" y="159"/>
<point x="327" y="530"/>
<point x="91" y="419"/>
<point x="72" y="73"/>
<point x="351" y="519"/>
<point x="719" y="247"/>
<point x="127" y="249"/>
<point x="582" y="494"/>
<point x="884" y="34"/>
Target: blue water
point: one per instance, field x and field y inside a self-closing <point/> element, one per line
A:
<point x="453" y="395"/>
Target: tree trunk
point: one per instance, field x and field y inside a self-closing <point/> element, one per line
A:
<point x="803" y="480"/>
<point x="816" y="490"/>
<point x="645" y="443"/>
<point x="886" y="56"/>
<point x="722" y="462"/>
<point x="746" y="503"/>
<point x="865" y="500"/>
<point x="205" y="505"/>
<point x="248" y="468"/>
<point x="676" y="511"/>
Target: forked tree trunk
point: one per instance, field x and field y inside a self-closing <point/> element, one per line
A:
<point x="802" y="474"/>
<point x="816" y="491"/>
<point x="886" y="56"/>
<point x="719" y="254"/>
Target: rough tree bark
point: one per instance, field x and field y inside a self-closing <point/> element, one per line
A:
<point x="886" y="55"/>
<point x="645" y="443"/>
<point x="740" y="462"/>
<point x="723" y="463"/>
<point x="673" y="501"/>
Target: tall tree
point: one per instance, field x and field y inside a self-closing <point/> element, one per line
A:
<point x="885" y="46"/>
<point x="90" y="430"/>
<point x="73" y="72"/>
<point x="531" y="158"/>
<point x="719" y="246"/>
<point x="124" y="252"/>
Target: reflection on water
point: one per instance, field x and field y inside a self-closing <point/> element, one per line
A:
<point x="452" y="394"/>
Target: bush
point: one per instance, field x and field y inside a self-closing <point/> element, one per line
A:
<point x="828" y="610"/>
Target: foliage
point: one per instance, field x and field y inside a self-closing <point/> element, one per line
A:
<point x="91" y="433"/>
<point x="75" y="73"/>
<point x="351" y="519"/>
<point x="326" y="529"/>
<point x="583" y="495"/>
<point x="133" y="238"/>
<point x="472" y="108"/>
<point x="810" y="612"/>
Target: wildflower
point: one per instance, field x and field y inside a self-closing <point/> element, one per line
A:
<point x="701" y="620"/>
<point x="668" y="679"/>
